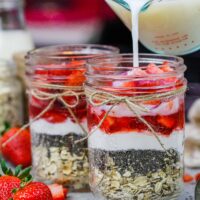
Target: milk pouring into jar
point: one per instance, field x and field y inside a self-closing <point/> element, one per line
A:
<point x="165" y="27"/>
<point x="135" y="7"/>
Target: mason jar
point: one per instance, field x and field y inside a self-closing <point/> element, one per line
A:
<point x="11" y="107"/>
<point x="58" y="112"/>
<point x="136" y="127"/>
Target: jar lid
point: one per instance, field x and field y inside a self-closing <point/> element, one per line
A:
<point x="7" y="69"/>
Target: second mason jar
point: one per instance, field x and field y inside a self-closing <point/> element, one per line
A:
<point x="136" y="127"/>
<point x="58" y="112"/>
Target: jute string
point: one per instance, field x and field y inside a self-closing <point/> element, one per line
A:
<point x="69" y="91"/>
<point x="134" y="103"/>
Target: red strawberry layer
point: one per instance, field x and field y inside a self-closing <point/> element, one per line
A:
<point x="150" y="77"/>
<point x="65" y="74"/>
<point x="58" y="113"/>
<point x="162" y="124"/>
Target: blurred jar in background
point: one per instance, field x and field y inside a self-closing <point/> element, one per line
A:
<point x="14" y="36"/>
<point x="11" y="104"/>
<point x="19" y="60"/>
<point x="61" y="21"/>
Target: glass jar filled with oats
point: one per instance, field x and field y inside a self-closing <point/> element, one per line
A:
<point x="58" y="113"/>
<point x="11" y="103"/>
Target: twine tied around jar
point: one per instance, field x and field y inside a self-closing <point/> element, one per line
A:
<point x="69" y="91"/>
<point x="99" y="98"/>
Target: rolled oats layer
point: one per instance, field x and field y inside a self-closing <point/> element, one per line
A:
<point x="57" y="159"/>
<point x="135" y="174"/>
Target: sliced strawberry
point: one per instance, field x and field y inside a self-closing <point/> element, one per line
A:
<point x="109" y="121"/>
<point x="53" y="72"/>
<point x="55" y="117"/>
<point x="77" y="78"/>
<point x="166" y="68"/>
<point x="38" y="103"/>
<point x="58" y="192"/>
<point x="137" y="72"/>
<point x="187" y="178"/>
<point x="166" y="121"/>
<point x="153" y="69"/>
<point x="129" y="84"/>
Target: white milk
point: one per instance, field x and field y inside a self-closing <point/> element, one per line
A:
<point x="135" y="6"/>
<point x="12" y="41"/>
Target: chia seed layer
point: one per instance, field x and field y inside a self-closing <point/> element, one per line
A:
<point x="58" y="141"/>
<point x="138" y="161"/>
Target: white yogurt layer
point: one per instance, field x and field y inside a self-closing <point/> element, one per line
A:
<point x="64" y="128"/>
<point x="165" y="108"/>
<point x="134" y="140"/>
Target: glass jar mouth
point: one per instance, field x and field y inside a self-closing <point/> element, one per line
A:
<point x="118" y="68"/>
<point x="54" y="62"/>
<point x="78" y="51"/>
<point x="125" y="62"/>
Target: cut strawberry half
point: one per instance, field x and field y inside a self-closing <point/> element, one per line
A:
<point x="55" y="117"/>
<point x="38" y="103"/>
<point x="187" y="178"/>
<point x="58" y="192"/>
<point x="137" y="72"/>
<point x="166" y="68"/>
<point x="167" y="121"/>
<point x="77" y="78"/>
<point x="153" y="69"/>
<point x="108" y="122"/>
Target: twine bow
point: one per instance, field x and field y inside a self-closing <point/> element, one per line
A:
<point x="69" y="91"/>
<point x="99" y="98"/>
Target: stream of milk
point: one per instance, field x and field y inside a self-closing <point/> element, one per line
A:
<point x="135" y="7"/>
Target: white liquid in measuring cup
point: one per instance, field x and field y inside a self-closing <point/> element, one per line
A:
<point x="171" y="26"/>
<point x="167" y="26"/>
<point x="13" y="41"/>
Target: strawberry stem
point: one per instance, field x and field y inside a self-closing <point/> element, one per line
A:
<point x="23" y="175"/>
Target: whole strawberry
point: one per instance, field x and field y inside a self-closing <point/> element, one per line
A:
<point x="11" y="180"/>
<point x="33" y="191"/>
<point x="17" y="150"/>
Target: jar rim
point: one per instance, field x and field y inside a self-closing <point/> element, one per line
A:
<point x="64" y="57"/>
<point x="79" y="51"/>
<point x="116" y="68"/>
<point x="176" y="62"/>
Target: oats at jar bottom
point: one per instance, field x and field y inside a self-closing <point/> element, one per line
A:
<point x="58" y="163"/>
<point x="115" y="175"/>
